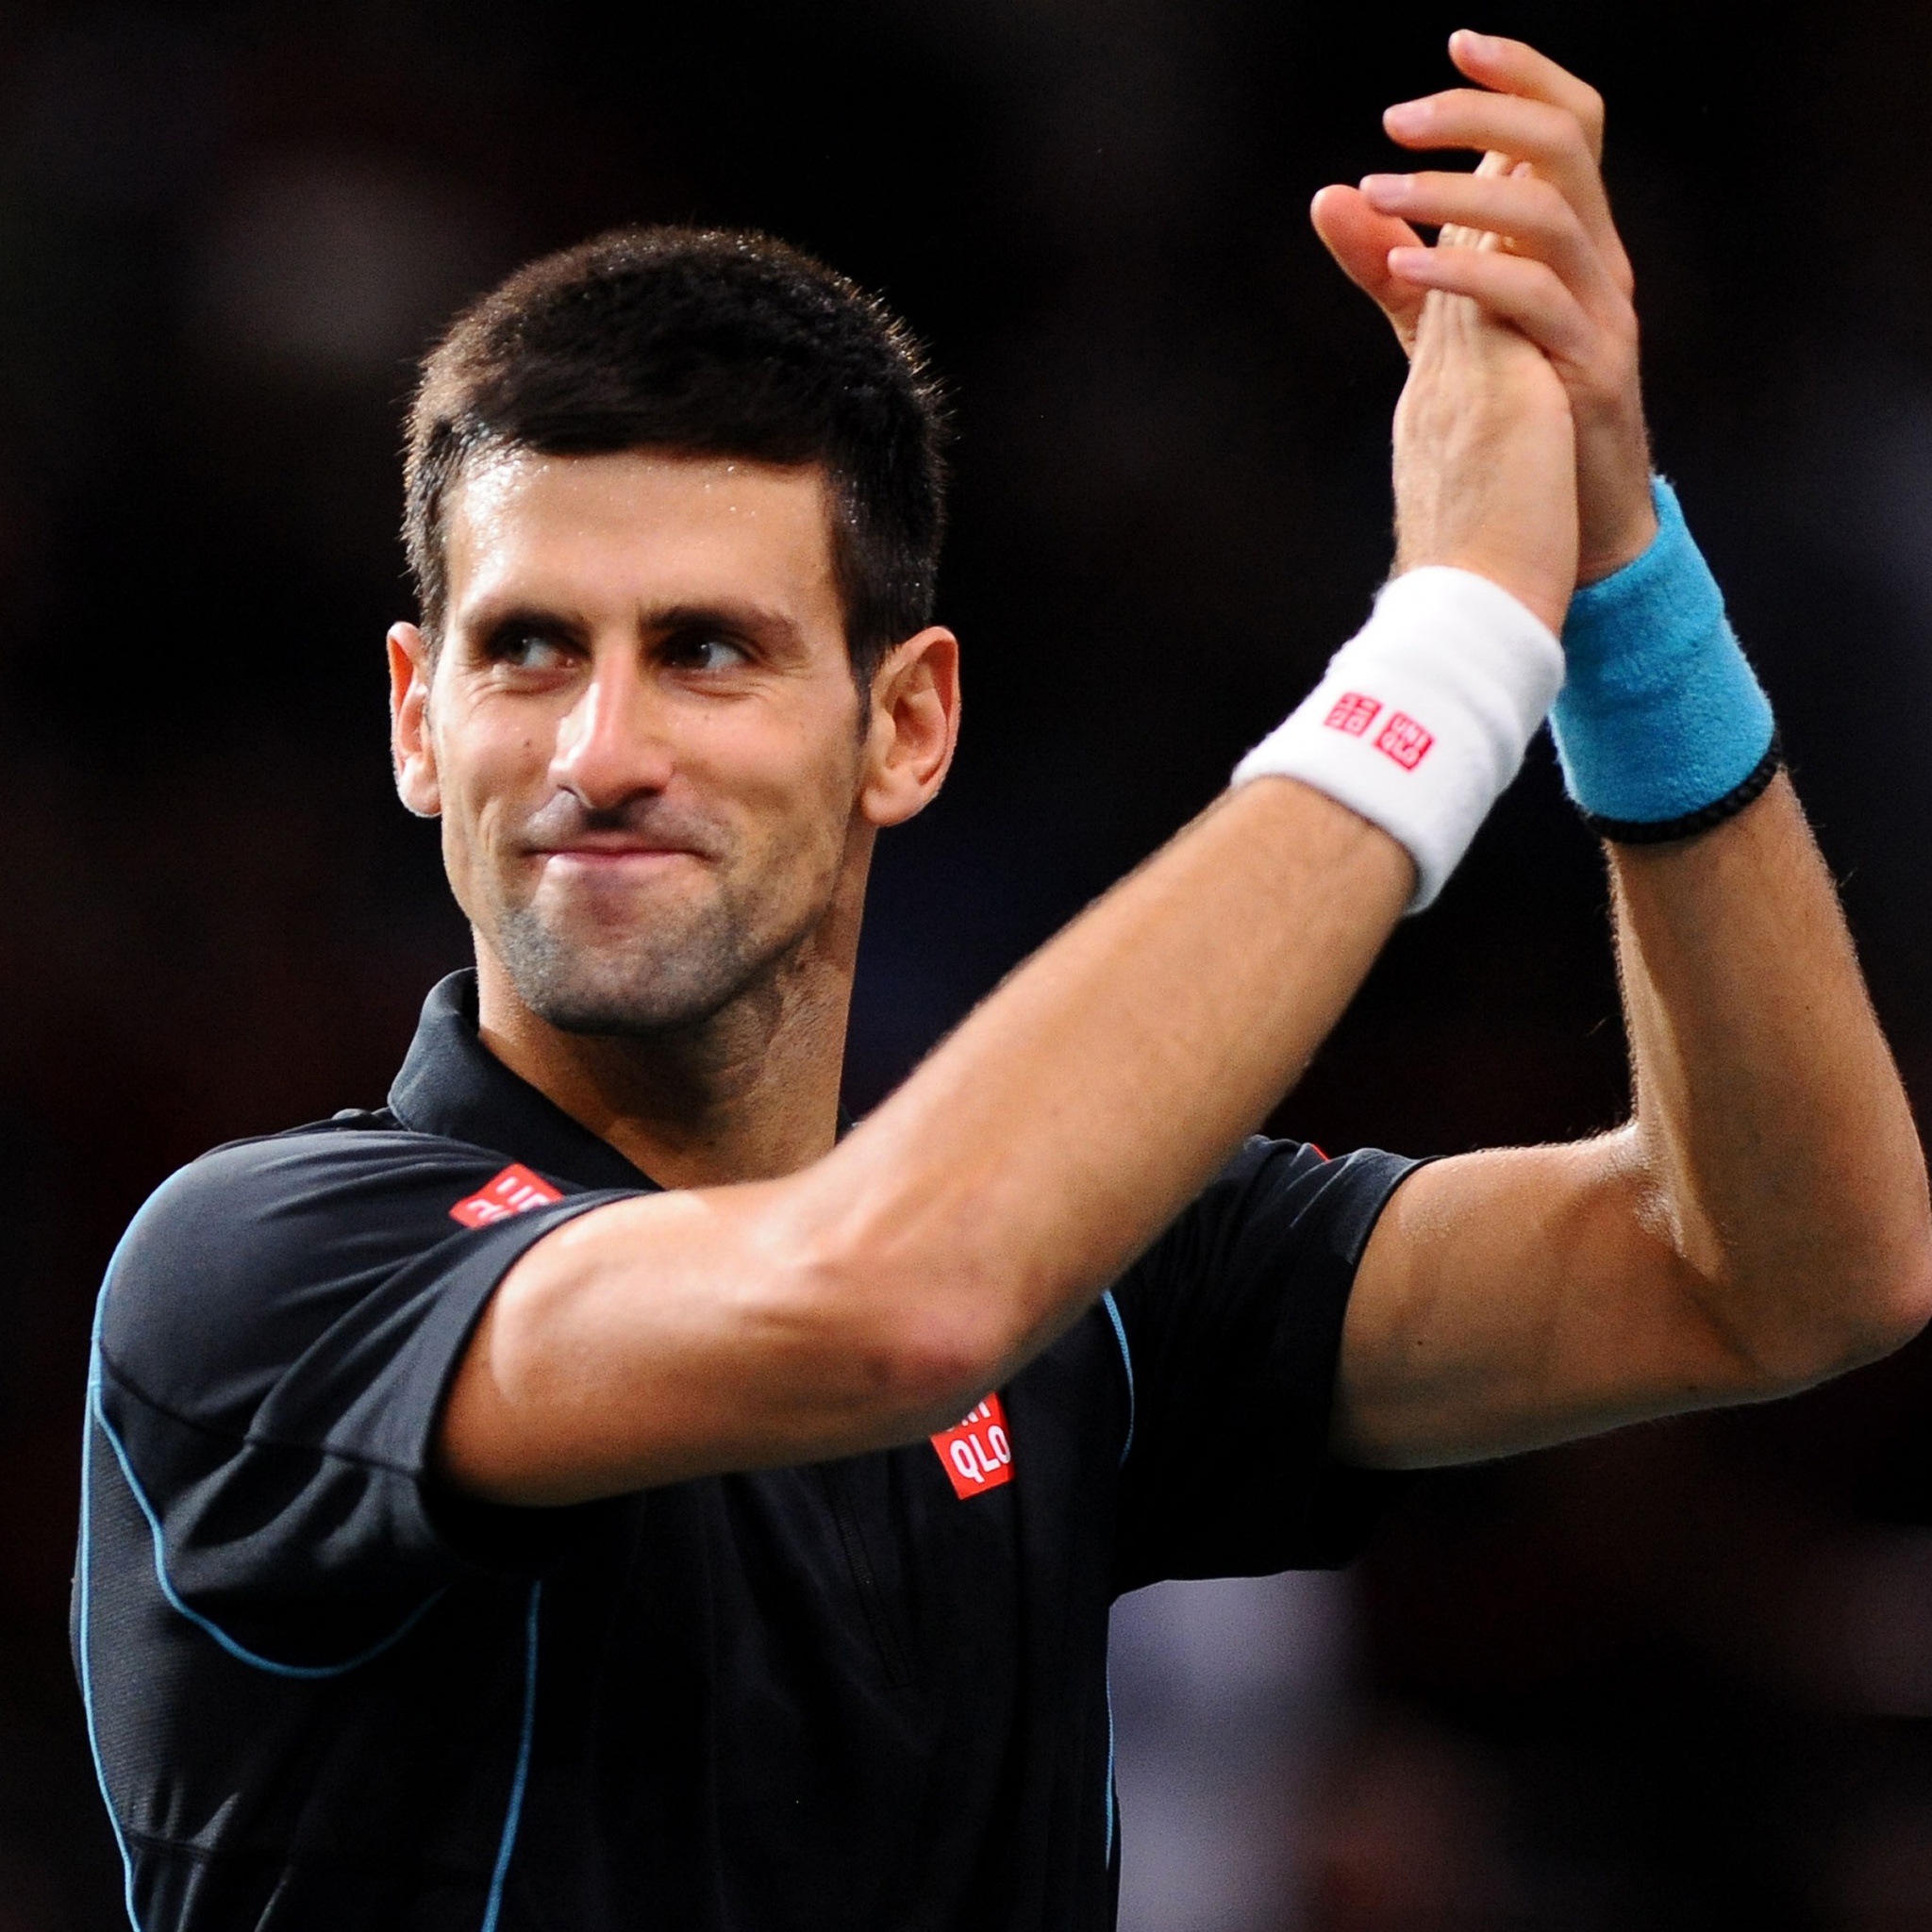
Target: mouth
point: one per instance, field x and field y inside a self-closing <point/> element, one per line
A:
<point x="615" y="860"/>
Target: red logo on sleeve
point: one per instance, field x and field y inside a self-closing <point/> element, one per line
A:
<point x="1404" y="741"/>
<point x="978" y="1453"/>
<point x="515" y="1191"/>
<point x="1353" y="713"/>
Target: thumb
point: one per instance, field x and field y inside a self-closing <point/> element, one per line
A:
<point x="1359" y="238"/>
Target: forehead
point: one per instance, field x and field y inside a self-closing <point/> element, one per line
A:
<point x="640" y="527"/>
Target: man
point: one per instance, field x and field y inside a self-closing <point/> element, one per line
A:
<point x="589" y="1491"/>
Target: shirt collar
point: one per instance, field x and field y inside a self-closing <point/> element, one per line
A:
<point x="452" y="1085"/>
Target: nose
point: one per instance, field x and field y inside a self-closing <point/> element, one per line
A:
<point x="611" y="745"/>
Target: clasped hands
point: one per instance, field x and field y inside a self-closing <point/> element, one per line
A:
<point x="1520" y="444"/>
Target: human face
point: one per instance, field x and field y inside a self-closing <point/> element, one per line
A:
<point x="641" y="729"/>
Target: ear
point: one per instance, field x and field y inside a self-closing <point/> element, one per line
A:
<point x="412" y="752"/>
<point x="915" y="726"/>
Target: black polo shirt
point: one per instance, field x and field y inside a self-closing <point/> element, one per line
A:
<point x="327" y="1697"/>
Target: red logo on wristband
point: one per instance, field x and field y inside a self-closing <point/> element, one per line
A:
<point x="978" y="1453"/>
<point x="1404" y="741"/>
<point x="1353" y="713"/>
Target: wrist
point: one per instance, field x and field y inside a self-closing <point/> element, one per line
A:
<point x="1539" y="592"/>
<point x="1620" y="544"/>
<point x="1423" y="717"/>
<point x="1617" y="509"/>
<point x="1662" y="729"/>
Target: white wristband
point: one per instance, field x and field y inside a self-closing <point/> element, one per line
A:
<point x="1423" y="717"/>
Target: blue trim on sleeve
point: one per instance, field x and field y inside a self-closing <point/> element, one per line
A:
<point x="513" y="1815"/>
<point x="240" y="1652"/>
<point x="96" y="1416"/>
<point x="1119" y="1335"/>
<point x="84" y="1611"/>
<point x="1108" y="1858"/>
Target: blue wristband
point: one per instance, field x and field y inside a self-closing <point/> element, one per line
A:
<point x="1661" y="728"/>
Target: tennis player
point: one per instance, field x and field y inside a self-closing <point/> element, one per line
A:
<point x="588" y="1492"/>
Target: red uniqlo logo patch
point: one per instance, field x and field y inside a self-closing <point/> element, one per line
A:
<point x="978" y="1453"/>
<point x="1353" y="713"/>
<point x="515" y="1191"/>
<point x="1404" y="741"/>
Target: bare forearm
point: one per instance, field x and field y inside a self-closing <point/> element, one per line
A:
<point x="1761" y="1221"/>
<point x="1093" y="1096"/>
<point x="969" y="1220"/>
<point x="1787" y="1168"/>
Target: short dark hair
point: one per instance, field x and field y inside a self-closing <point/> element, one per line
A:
<point x="706" y="343"/>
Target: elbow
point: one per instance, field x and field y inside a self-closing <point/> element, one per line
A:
<point x="1898" y="1306"/>
<point x="1860" y="1320"/>
<point x="1892" y="1300"/>
<point x="923" y="1344"/>
<point x="934" y="1370"/>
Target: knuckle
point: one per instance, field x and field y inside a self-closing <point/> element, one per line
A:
<point x="1612" y="373"/>
<point x="1555" y="301"/>
<point x="1549" y="205"/>
<point x="1574" y="140"/>
<point x="1608" y="376"/>
<point x="1464" y="109"/>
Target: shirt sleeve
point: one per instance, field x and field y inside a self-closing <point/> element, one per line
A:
<point x="1230" y="1327"/>
<point x="276" y="1337"/>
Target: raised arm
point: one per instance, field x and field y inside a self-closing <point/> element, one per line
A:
<point x="1762" y="1221"/>
<point x="873" y="1297"/>
<point x="1759" y="1226"/>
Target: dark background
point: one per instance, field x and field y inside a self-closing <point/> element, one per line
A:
<point x="1681" y="1676"/>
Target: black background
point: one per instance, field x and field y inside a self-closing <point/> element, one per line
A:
<point x="1678" y="1678"/>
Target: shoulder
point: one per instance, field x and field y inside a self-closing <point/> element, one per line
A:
<point x="1275" y="1236"/>
<point x="340" y="1182"/>
<point x="1280" y="1202"/>
<point x="248" y="1252"/>
<point x="1229" y="1329"/>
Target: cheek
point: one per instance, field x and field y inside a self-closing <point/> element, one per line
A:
<point x="489" y="772"/>
<point x="799" y="787"/>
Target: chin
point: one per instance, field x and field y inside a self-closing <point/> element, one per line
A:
<point x="624" y="989"/>
<point x="660" y="975"/>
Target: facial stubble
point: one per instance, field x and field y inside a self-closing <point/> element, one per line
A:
<point x="640" y="977"/>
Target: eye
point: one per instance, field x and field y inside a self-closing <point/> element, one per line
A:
<point x="705" y="652"/>
<point x="527" y="647"/>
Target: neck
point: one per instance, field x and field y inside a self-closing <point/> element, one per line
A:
<point x="750" y="1093"/>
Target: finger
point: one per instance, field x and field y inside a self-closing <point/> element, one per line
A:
<point x="1550" y="139"/>
<point x="1534" y="217"/>
<point x="1510" y="67"/>
<point x="1360" y="239"/>
<point x="1528" y="294"/>
<point x="1452" y="235"/>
